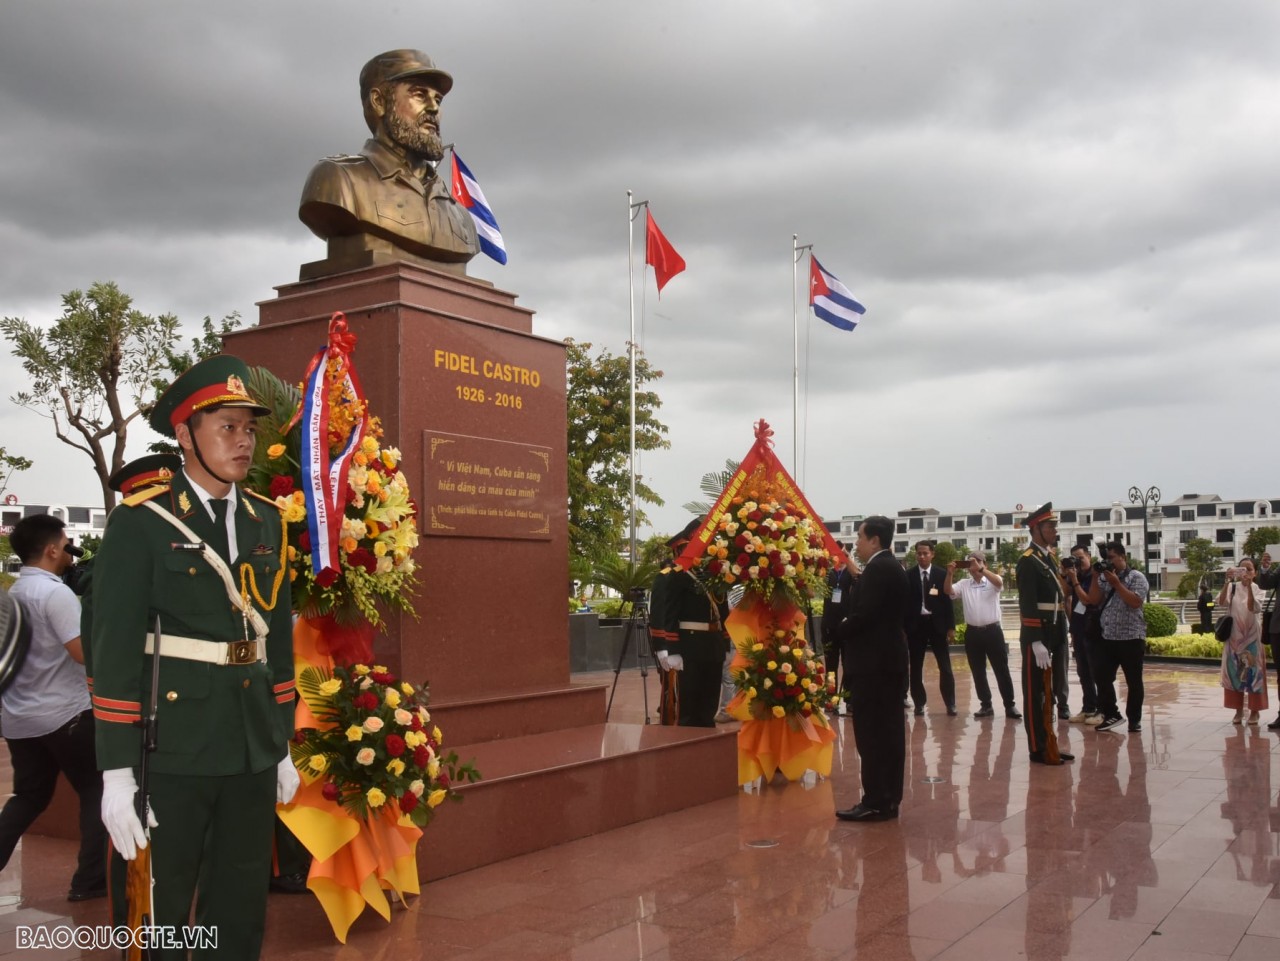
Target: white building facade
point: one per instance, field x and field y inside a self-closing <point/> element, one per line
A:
<point x="1169" y="528"/>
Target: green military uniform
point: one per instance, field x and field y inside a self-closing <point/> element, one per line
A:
<point x="1042" y="608"/>
<point x="669" y="707"/>
<point x="222" y="727"/>
<point x="134" y="476"/>
<point x="689" y="623"/>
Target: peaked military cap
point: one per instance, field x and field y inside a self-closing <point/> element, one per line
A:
<point x="1041" y="514"/>
<point x="685" y="534"/>
<point x="217" y="381"/>
<point x="401" y="65"/>
<point x="144" y="472"/>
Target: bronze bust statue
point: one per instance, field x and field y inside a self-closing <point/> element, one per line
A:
<point x="387" y="202"/>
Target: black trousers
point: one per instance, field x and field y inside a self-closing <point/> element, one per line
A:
<point x="1034" y="678"/>
<point x="1127" y="656"/>
<point x="36" y="763"/>
<point x="699" y="692"/>
<point x="1082" y="648"/>
<point x="985" y="643"/>
<point x="1060" y="678"/>
<point x="880" y="733"/>
<point x="921" y="639"/>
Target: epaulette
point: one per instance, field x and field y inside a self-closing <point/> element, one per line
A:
<point x="1029" y="552"/>
<point x="146" y="494"/>
<point x="344" y="158"/>
<point x="262" y="497"/>
<point x="666" y="570"/>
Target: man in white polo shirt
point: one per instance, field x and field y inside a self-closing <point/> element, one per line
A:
<point x="983" y="635"/>
<point x="48" y="722"/>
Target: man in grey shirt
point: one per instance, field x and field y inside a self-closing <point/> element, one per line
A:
<point x="1120" y="591"/>
<point x="48" y="721"/>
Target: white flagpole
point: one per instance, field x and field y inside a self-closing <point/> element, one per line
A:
<point x="796" y="252"/>
<point x="631" y="351"/>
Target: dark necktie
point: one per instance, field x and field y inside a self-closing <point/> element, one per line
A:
<point x="218" y="539"/>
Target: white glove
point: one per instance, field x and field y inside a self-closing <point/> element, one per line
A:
<point x="675" y="662"/>
<point x="118" y="814"/>
<point x="662" y="660"/>
<point x="287" y="780"/>
<point x="1041" y="652"/>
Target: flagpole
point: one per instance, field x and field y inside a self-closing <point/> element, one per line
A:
<point x="631" y="351"/>
<point x="796" y="251"/>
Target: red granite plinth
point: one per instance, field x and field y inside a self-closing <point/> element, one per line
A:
<point x="476" y="403"/>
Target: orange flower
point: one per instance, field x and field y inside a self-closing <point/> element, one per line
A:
<point x="349" y="544"/>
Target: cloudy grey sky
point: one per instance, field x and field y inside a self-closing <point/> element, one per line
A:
<point x="1064" y="218"/>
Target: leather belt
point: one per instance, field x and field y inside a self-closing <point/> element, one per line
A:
<point x="222" y="653"/>
<point x="697" y="626"/>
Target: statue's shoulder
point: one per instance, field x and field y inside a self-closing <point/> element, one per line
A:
<point x="344" y="158"/>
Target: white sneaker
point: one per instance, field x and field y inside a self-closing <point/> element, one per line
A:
<point x="1094" y="719"/>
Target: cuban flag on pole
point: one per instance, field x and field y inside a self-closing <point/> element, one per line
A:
<point x="831" y="300"/>
<point x="468" y="193"/>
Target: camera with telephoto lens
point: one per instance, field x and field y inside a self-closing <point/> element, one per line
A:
<point x="1104" y="565"/>
<point x="1068" y="563"/>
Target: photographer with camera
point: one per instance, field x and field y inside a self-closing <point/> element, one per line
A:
<point x="1269" y="580"/>
<point x="1085" y="629"/>
<point x="1124" y="635"/>
<point x="1244" y="654"/>
<point x="983" y="635"/>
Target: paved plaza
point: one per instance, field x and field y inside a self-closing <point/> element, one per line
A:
<point x="1159" y="845"/>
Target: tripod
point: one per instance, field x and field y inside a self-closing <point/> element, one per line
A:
<point x="637" y="624"/>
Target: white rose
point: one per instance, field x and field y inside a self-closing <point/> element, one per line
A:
<point x="372" y="724"/>
<point x="365" y="756"/>
<point x="403" y="717"/>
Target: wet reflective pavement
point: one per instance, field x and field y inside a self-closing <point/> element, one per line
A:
<point x="1158" y="845"/>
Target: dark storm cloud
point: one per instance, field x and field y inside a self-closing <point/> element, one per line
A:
<point x="1034" y="200"/>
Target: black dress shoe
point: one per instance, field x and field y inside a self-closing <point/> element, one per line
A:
<point x="88" y="894"/>
<point x="919" y="712"/>
<point x="1065" y="756"/>
<point x="985" y="712"/>
<point x="1037" y="757"/>
<point x="951" y="710"/>
<point x="289" y="883"/>
<point x="860" y="812"/>
<point x="1274" y="725"/>
<point x="1064" y="715"/>
<point x="1013" y="714"/>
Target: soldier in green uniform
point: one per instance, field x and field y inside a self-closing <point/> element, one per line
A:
<point x="1044" y="630"/>
<point x="689" y="638"/>
<point x="135" y="476"/>
<point x="207" y="559"/>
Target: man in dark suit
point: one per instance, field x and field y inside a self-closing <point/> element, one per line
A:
<point x="931" y="624"/>
<point x="875" y="664"/>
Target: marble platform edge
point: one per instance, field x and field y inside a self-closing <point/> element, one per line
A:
<point x="543" y="808"/>
<point x="475" y="721"/>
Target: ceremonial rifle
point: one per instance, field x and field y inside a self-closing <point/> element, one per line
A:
<point x="139" y="881"/>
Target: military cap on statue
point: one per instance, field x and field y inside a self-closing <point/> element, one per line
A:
<point x="401" y="65"/>
<point x="144" y="472"/>
<point x="217" y="381"/>
<point x="685" y="534"/>
<point x="1040" y="515"/>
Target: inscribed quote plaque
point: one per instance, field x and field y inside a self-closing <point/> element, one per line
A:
<point x="482" y="487"/>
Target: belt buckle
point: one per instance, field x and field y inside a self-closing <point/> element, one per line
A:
<point x="242" y="652"/>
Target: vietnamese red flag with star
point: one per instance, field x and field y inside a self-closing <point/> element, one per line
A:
<point x="659" y="253"/>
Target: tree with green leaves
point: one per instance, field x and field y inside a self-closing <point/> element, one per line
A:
<point x="10" y="464"/>
<point x="713" y="484"/>
<point x="97" y="368"/>
<point x="599" y="397"/>
<point x="1203" y="557"/>
<point x="1255" y="545"/>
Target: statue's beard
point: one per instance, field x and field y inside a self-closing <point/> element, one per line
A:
<point x="415" y="138"/>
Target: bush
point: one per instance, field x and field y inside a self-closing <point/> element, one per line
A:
<point x="1161" y="621"/>
<point x="1185" y="645"/>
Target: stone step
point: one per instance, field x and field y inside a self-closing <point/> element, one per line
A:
<point x="544" y="789"/>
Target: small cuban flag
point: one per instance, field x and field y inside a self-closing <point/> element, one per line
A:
<point x="831" y="300"/>
<point x="468" y="193"/>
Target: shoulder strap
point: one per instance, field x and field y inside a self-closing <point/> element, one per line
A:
<point x="144" y="495"/>
<point x="220" y="567"/>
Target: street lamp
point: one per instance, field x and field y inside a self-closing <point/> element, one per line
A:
<point x="1149" y="500"/>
